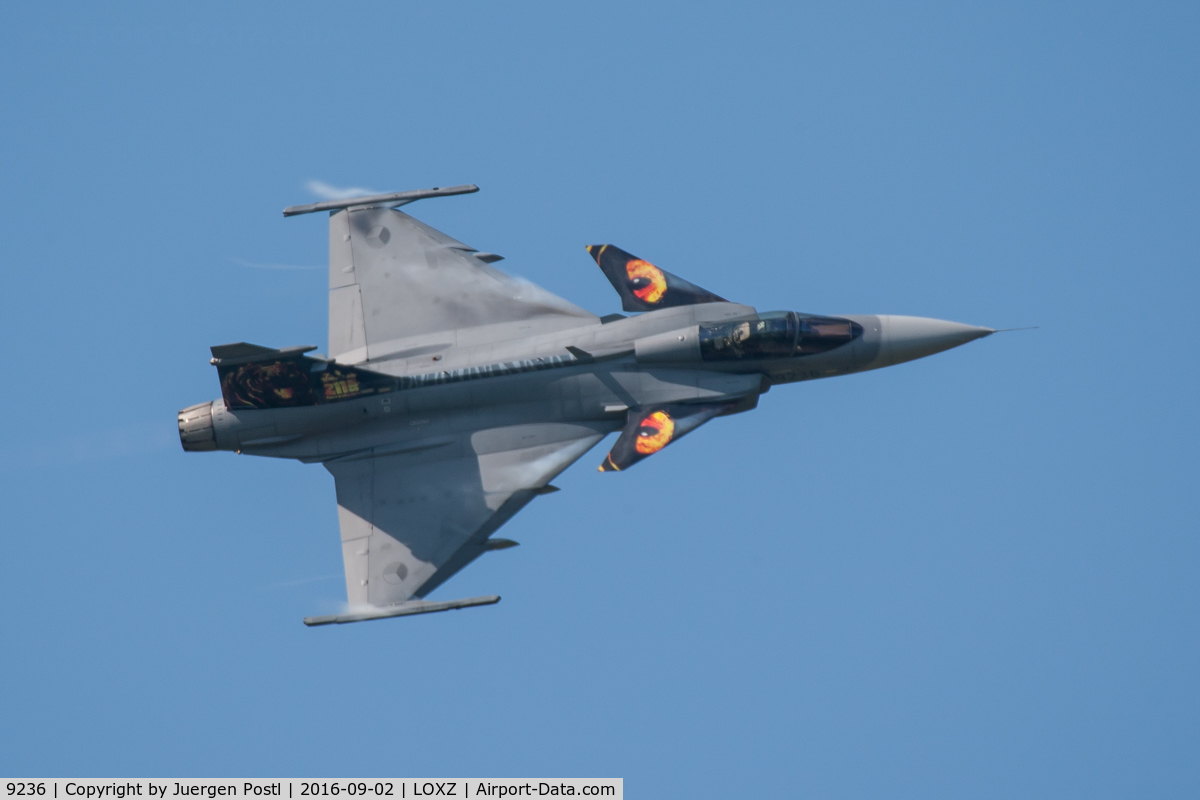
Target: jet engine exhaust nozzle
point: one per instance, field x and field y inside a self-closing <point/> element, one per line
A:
<point x="196" y="428"/>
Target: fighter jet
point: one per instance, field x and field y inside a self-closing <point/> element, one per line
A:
<point x="453" y="394"/>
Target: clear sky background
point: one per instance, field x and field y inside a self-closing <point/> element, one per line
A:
<point x="969" y="576"/>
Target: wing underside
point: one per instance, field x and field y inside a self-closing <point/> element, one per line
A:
<point x="397" y="285"/>
<point x="409" y="521"/>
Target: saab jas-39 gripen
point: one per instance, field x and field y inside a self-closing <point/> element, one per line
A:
<point x="452" y="393"/>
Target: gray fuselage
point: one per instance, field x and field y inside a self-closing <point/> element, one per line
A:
<point x="590" y="374"/>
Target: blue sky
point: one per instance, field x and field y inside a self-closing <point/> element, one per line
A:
<point x="970" y="576"/>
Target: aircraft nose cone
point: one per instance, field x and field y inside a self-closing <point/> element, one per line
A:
<point x="908" y="338"/>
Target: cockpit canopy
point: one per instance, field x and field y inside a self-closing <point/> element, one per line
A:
<point x="775" y="334"/>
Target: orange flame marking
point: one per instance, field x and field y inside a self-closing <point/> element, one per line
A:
<point x="656" y="287"/>
<point x="654" y="433"/>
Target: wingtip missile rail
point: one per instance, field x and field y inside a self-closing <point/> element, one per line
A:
<point x="402" y="610"/>
<point x="392" y="200"/>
